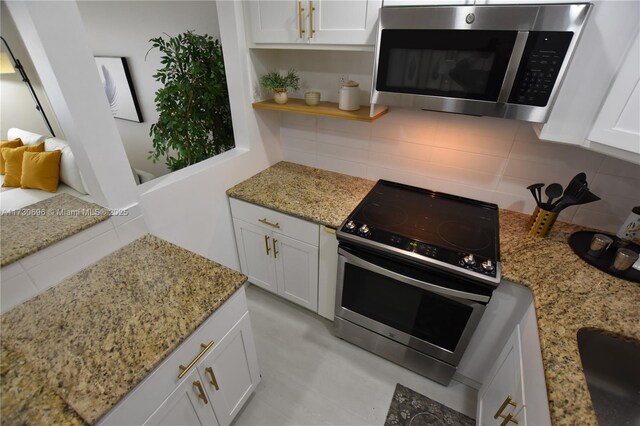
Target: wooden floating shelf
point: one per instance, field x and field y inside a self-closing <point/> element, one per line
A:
<point x="324" y="109"/>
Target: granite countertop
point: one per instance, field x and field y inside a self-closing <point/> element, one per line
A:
<point x="312" y="194"/>
<point x="92" y="338"/>
<point x="568" y="293"/>
<point x="32" y="228"/>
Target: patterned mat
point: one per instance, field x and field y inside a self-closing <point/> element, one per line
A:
<point x="411" y="408"/>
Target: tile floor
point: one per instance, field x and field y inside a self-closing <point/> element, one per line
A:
<point x="310" y="377"/>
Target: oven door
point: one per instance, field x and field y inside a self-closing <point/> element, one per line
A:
<point x="408" y="304"/>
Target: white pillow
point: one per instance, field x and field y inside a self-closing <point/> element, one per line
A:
<point x="69" y="172"/>
<point x="27" y="138"/>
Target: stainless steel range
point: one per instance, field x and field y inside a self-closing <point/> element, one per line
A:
<point x="416" y="271"/>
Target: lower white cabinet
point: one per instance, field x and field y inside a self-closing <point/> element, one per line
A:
<point x="514" y="390"/>
<point x="278" y="252"/>
<point x="221" y="373"/>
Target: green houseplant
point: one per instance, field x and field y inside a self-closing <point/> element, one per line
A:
<point x="280" y="83"/>
<point x="194" y="120"/>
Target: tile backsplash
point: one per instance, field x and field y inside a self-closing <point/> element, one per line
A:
<point x="484" y="158"/>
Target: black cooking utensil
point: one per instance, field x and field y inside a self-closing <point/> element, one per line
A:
<point x="536" y="192"/>
<point x="553" y="191"/>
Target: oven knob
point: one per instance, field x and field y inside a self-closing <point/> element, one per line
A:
<point x="488" y="265"/>
<point x="469" y="260"/>
<point x="364" y="229"/>
<point x="350" y="225"/>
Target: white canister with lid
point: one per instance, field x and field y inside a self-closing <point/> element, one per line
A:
<point x="350" y="96"/>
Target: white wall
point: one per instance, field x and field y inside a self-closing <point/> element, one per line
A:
<point x="485" y="158"/>
<point x="17" y="107"/>
<point x="123" y="28"/>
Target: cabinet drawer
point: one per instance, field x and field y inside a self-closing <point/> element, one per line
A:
<point x="282" y="223"/>
<point x="145" y="398"/>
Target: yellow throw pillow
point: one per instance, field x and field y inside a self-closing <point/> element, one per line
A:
<point x="15" y="143"/>
<point x="13" y="163"/>
<point x="41" y="170"/>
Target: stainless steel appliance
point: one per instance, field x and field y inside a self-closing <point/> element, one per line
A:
<point x="502" y="61"/>
<point x="416" y="271"/>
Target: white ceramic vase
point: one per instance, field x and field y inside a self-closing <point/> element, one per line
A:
<point x="280" y="97"/>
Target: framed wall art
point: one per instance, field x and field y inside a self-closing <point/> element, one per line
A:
<point x="118" y="87"/>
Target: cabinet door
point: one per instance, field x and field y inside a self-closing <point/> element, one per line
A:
<point x="255" y="250"/>
<point x="281" y="21"/>
<point x="343" y="22"/>
<point x="297" y="271"/>
<point x="618" y="123"/>
<point x="187" y="405"/>
<point x="503" y="381"/>
<point x="231" y="371"/>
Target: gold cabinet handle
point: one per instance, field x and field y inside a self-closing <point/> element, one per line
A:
<point x="201" y="394"/>
<point x="311" y="30"/>
<point x="275" y="249"/>
<point x="184" y="370"/>
<point x="300" y="23"/>
<point x="266" y="245"/>
<point x="508" y="401"/>
<point x="266" y="222"/>
<point x="508" y="418"/>
<point x="213" y="380"/>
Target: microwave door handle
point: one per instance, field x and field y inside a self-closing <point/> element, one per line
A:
<point x="512" y="67"/>
<point x="354" y="260"/>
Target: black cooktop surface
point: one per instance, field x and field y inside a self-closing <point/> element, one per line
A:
<point x="443" y="220"/>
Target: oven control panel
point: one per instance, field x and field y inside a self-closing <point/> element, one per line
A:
<point x="463" y="260"/>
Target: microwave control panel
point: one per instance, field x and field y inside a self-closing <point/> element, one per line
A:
<point x="542" y="58"/>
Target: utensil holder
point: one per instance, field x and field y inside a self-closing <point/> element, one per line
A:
<point x="541" y="222"/>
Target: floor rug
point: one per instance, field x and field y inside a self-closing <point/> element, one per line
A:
<point x="409" y="408"/>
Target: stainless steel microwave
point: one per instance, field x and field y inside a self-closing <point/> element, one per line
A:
<point x="500" y="61"/>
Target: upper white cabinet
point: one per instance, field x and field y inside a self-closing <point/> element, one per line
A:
<point x="618" y="123"/>
<point x="587" y="95"/>
<point x="313" y="22"/>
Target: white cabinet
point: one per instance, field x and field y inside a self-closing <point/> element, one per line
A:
<point x="315" y="22"/>
<point x="187" y="405"/>
<point x="278" y="252"/>
<point x="222" y="372"/>
<point x="327" y="273"/>
<point x="512" y="394"/>
<point x="618" y="123"/>
<point x="500" y="398"/>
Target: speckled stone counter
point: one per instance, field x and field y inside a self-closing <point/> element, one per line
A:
<point x="96" y="335"/>
<point x="568" y="293"/>
<point x="312" y="194"/>
<point x="32" y="228"/>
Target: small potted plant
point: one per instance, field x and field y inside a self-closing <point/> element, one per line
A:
<point x="279" y="84"/>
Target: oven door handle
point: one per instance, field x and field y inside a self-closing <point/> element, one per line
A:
<point x="354" y="260"/>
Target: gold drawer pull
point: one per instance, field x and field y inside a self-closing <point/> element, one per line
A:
<point x="311" y="30"/>
<point x="300" y="10"/>
<point x="213" y="380"/>
<point x="201" y="394"/>
<point x="508" y="418"/>
<point x="184" y="369"/>
<point x="507" y="401"/>
<point x="266" y="244"/>
<point x="275" y="249"/>
<point x="266" y="222"/>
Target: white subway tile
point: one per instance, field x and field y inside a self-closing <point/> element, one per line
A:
<point x="297" y="133"/>
<point x="488" y="164"/>
<point x="464" y="176"/>
<point x="375" y="173"/>
<point x="300" y="157"/>
<point x="401" y="149"/>
<point x="343" y="152"/>
<point x="451" y="138"/>
<point x="298" y="144"/>
<point x="603" y="221"/>
<point x="299" y="120"/>
<point x="515" y="186"/>
<point x="456" y="188"/>
<point x="343" y="139"/>
<point x="608" y="186"/>
<point x="572" y="157"/>
<point x="342" y="166"/>
<point x="350" y="127"/>
<point x="402" y="164"/>
<point x="537" y="171"/>
<point x="616" y="167"/>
